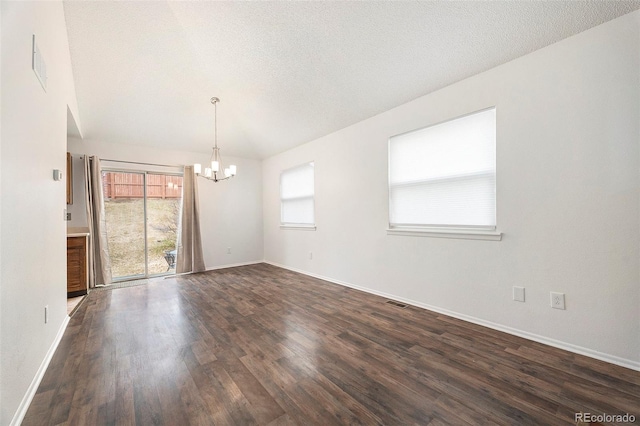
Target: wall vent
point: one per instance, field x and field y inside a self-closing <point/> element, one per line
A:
<point x="396" y="303"/>
<point x="38" y="65"/>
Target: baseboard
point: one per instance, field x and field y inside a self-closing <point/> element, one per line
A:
<point x="612" y="359"/>
<point x="234" y="265"/>
<point x="230" y="265"/>
<point x="33" y="387"/>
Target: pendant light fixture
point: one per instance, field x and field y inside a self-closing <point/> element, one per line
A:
<point x="214" y="171"/>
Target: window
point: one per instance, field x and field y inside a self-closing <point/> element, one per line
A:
<point x="444" y="176"/>
<point x="296" y="196"/>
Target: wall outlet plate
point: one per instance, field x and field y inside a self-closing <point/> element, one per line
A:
<point x="518" y="294"/>
<point x="557" y="300"/>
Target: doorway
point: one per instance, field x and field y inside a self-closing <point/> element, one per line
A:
<point x="142" y="215"/>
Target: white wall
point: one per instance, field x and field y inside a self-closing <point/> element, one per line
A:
<point x="1" y="25"/>
<point x="568" y="200"/>
<point x="33" y="244"/>
<point x="231" y="211"/>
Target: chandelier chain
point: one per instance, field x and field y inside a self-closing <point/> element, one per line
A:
<point x="215" y="122"/>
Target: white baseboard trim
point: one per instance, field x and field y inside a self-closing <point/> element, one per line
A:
<point x="612" y="359"/>
<point x="33" y="387"/>
<point x="234" y="265"/>
<point x="213" y="268"/>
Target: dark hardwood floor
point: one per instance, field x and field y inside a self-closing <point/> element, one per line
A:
<point x="262" y="345"/>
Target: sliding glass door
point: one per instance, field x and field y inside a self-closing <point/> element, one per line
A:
<point x="124" y="216"/>
<point x="142" y="212"/>
<point x="164" y="196"/>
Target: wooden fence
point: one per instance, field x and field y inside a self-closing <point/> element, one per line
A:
<point x="131" y="185"/>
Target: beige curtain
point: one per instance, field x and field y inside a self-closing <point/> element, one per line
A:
<point x="190" y="258"/>
<point x="99" y="264"/>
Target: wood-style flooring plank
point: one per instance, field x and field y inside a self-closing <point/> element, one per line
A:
<point x="260" y="345"/>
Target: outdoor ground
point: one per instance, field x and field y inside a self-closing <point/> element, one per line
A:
<point x="125" y="234"/>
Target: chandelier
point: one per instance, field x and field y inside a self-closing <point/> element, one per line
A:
<point x="213" y="172"/>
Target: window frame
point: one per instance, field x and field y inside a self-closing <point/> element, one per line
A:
<point x="293" y="225"/>
<point x="474" y="232"/>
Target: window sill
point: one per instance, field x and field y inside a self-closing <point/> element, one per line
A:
<point x="299" y="227"/>
<point x="447" y="233"/>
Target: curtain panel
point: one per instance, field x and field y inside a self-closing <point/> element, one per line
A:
<point x="190" y="258"/>
<point x="99" y="264"/>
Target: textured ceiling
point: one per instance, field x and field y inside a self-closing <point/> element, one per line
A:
<point x="288" y="72"/>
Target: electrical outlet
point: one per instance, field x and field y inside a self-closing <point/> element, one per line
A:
<point x="46" y="314"/>
<point x="228" y="250"/>
<point x="68" y="216"/>
<point x="518" y="294"/>
<point x="557" y="300"/>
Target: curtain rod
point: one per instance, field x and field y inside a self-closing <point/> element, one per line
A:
<point x="136" y="162"/>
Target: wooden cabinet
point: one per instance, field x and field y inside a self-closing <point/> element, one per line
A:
<point x="76" y="266"/>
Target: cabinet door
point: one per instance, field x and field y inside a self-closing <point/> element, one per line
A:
<point x="76" y="265"/>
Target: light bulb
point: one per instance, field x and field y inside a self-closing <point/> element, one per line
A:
<point x="197" y="168"/>
<point x="207" y="172"/>
<point x="232" y="169"/>
<point x="215" y="166"/>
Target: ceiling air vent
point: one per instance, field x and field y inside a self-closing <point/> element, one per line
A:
<point x="38" y="65"/>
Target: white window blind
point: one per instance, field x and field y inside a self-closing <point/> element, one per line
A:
<point x="445" y="175"/>
<point x="296" y="195"/>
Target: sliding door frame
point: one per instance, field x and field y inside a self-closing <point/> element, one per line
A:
<point x="145" y="174"/>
